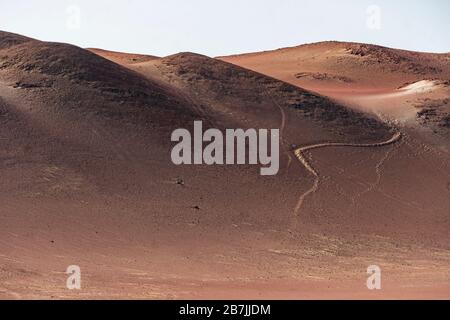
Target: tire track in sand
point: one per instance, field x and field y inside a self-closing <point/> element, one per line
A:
<point x="282" y="127"/>
<point x="379" y="172"/>
<point x="299" y="153"/>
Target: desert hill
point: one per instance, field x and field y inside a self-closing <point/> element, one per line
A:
<point x="121" y="57"/>
<point x="87" y="180"/>
<point x="345" y="65"/>
<point x="405" y="86"/>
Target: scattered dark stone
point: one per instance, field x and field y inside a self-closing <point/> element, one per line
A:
<point x="445" y="122"/>
<point x="180" y="181"/>
<point x="41" y="84"/>
<point x="22" y="85"/>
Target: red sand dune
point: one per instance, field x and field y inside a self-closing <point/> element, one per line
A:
<point x="87" y="180"/>
<point x="121" y="57"/>
<point x="366" y="77"/>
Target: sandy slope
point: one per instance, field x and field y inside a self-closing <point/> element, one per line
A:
<point x="366" y="77"/>
<point x="87" y="180"/>
<point x="121" y="57"/>
<point x="346" y="66"/>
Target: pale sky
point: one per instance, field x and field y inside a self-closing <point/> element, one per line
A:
<point x="223" y="27"/>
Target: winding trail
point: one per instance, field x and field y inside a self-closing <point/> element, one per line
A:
<point x="282" y="127"/>
<point x="378" y="171"/>
<point x="299" y="153"/>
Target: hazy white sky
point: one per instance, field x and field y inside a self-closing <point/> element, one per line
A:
<point x="233" y="26"/>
